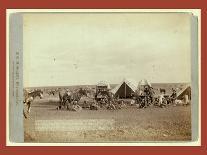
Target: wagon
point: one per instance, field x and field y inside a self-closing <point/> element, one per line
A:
<point x="102" y="90"/>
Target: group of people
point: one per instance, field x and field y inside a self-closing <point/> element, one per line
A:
<point x="164" y="99"/>
<point x="142" y="98"/>
<point x="70" y="99"/>
<point x="147" y="97"/>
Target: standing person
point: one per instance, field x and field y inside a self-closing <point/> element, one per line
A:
<point x="145" y="96"/>
<point x="186" y="100"/>
<point x="151" y="91"/>
<point x="174" y="95"/>
<point x="161" y="98"/>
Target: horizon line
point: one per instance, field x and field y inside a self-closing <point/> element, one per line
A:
<point x="96" y="84"/>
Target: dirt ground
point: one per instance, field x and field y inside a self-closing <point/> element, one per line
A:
<point x="131" y="124"/>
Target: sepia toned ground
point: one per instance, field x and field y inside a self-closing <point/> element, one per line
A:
<point x="172" y="123"/>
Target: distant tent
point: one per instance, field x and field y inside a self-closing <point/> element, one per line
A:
<point x="125" y="89"/>
<point x="141" y="86"/>
<point x="183" y="92"/>
<point x="144" y="83"/>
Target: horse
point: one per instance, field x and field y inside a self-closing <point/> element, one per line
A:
<point x="83" y="92"/>
<point x="51" y="92"/>
<point x="70" y="97"/>
<point x="29" y="97"/>
<point x="64" y="96"/>
<point x="162" y="90"/>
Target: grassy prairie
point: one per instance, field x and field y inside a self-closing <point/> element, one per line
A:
<point x="131" y="124"/>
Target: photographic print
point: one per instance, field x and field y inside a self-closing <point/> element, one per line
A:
<point x="103" y="77"/>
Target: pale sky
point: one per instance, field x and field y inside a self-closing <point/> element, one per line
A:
<point x="84" y="48"/>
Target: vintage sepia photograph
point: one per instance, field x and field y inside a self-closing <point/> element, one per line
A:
<point x="104" y="77"/>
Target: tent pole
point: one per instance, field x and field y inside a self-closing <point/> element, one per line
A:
<point x="125" y="89"/>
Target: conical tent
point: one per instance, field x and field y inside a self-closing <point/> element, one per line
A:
<point x="125" y="89"/>
<point x="144" y="83"/>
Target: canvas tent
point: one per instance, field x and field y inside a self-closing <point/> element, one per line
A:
<point x="142" y="86"/>
<point x="125" y="89"/>
<point x="144" y="83"/>
<point x="183" y="92"/>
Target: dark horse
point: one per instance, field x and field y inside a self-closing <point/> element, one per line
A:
<point x="162" y="90"/>
<point x="29" y="97"/>
<point x="67" y="96"/>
